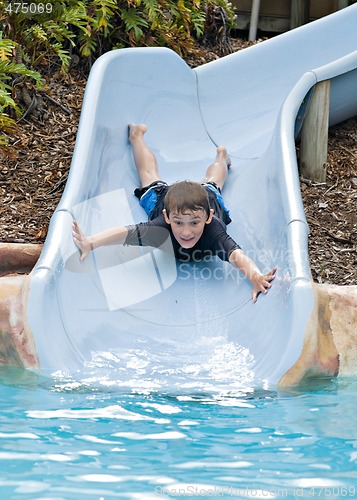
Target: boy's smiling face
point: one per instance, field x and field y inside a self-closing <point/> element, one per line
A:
<point x="188" y="227"/>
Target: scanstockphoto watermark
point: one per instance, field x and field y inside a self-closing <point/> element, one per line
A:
<point x="207" y="268"/>
<point x="236" y="492"/>
<point x="189" y="271"/>
<point x="29" y="9"/>
<point x="266" y="257"/>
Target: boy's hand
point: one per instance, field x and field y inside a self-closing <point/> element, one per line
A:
<point x="81" y="241"/>
<point x="261" y="283"/>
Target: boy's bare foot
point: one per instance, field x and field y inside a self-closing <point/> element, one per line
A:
<point x="222" y="154"/>
<point x="136" y="131"/>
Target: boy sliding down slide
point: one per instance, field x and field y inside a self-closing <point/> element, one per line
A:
<point x="193" y="213"/>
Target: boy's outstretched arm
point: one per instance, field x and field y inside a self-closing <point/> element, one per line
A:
<point x="260" y="282"/>
<point x="86" y="244"/>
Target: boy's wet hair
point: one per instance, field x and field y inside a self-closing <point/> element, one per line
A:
<point x="185" y="196"/>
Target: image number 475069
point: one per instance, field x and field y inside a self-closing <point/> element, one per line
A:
<point x="29" y="8"/>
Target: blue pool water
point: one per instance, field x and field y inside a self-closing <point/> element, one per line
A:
<point x="62" y="439"/>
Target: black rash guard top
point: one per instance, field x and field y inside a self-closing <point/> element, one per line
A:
<point x="215" y="241"/>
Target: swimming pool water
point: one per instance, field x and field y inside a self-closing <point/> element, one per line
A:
<point x="62" y="439"/>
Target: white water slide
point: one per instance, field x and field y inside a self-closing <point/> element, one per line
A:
<point x="191" y="325"/>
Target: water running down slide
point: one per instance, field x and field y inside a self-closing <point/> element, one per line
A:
<point x="194" y="326"/>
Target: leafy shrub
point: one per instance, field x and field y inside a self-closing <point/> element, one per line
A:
<point x="45" y="33"/>
<point x="89" y="28"/>
<point x="8" y="71"/>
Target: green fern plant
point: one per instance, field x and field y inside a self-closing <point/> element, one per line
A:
<point x="9" y="71"/>
<point x="134" y="24"/>
<point x="92" y="27"/>
<point x="100" y="15"/>
<point x="45" y="35"/>
<point x="177" y="24"/>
